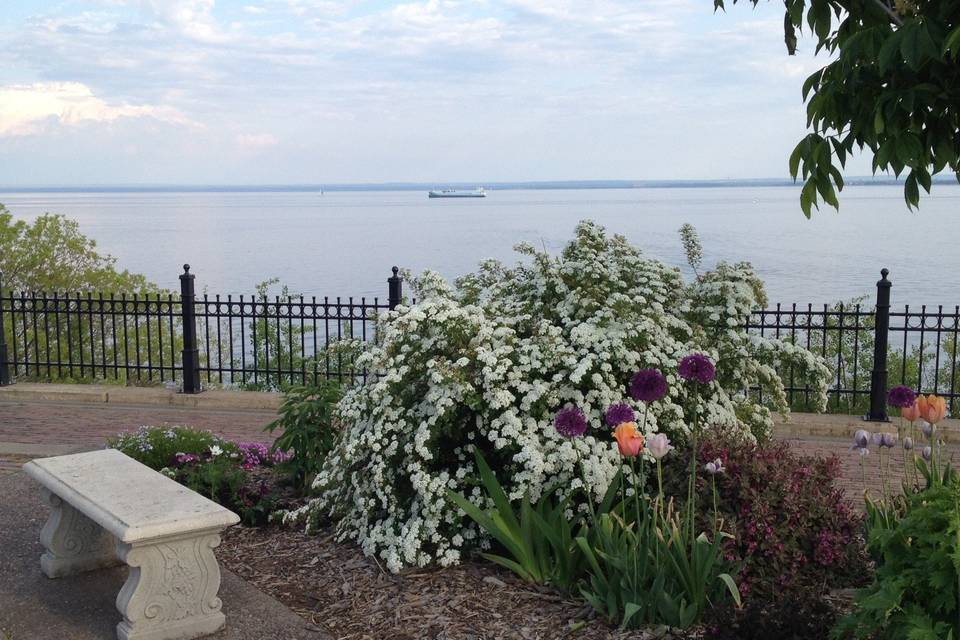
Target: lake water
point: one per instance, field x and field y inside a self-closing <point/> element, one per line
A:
<point x="344" y="243"/>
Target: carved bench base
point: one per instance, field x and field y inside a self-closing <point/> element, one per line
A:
<point x="73" y="542"/>
<point x="171" y="589"/>
<point x="171" y="592"/>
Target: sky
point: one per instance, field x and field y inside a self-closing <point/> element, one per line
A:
<point x="357" y="91"/>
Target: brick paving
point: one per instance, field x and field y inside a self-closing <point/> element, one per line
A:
<point x="89" y="424"/>
<point x="852" y="478"/>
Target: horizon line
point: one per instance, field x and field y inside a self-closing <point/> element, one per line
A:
<point x="412" y="186"/>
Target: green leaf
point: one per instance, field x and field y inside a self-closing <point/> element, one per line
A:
<point x="890" y="51"/>
<point x="952" y="43"/>
<point x="878" y="125"/>
<point x="630" y="609"/>
<point x="911" y="193"/>
<point x="808" y="196"/>
<point x="731" y="587"/>
<point x="795" y="159"/>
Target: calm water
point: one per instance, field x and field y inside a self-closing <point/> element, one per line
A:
<point x="343" y="243"/>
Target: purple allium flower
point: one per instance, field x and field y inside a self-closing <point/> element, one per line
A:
<point x="901" y="397"/>
<point x="619" y="413"/>
<point x="697" y="367"/>
<point x="570" y="422"/>
<point x="648" y="385"/>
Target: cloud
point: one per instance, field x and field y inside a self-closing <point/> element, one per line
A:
<point x="257" y="140"/>
<point x="27" y="109"/>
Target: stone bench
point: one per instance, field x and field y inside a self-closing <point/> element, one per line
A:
<point x="108" y="509"/>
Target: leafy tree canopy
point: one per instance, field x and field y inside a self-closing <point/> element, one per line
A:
<point x="893" y="88"/>
<point x="50" y="254"/>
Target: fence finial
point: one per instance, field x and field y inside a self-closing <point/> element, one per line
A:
<point x="884" y="273"/>
<point x="186" y="268"/>
<point x="395" y="291"/>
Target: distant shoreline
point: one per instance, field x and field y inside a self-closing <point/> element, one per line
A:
<point x="424" y="186"/>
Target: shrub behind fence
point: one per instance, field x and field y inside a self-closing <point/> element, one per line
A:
<point x="255" y="342"/>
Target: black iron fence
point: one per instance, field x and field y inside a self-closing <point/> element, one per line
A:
<point x="258" y="342"/>
<point x="870" y="349"/>
<point x="188" y="341"/>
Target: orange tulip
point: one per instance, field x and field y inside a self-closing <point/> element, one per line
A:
<point x="932" y="408"/>
<point x="629" y="440"/>
<point x="912" y="413"/>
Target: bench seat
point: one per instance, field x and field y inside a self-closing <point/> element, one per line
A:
<point x="109" y="509"/>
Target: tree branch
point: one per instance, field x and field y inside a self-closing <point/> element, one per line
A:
<point x="890" y="12"/>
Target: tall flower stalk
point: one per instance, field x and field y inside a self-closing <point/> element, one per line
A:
<point x="698" y="370"/>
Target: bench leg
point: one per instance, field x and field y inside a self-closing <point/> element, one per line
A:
<point x="171" y="592"/>
<point x="74" y="543"/>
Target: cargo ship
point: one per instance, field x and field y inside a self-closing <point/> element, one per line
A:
<point x="458" y="193"/>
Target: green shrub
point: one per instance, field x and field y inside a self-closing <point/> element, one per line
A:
<point x="157" y="447"/>
<point x="219" y="469"/>
<point x="306" y="418"/>
<point x="915" y="590"/>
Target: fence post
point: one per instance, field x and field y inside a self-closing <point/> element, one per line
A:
<point x="4" y="367"/>
<point x="396" y="289"/>
<point x="878" y="378"/>
<point x="191" y="354"/>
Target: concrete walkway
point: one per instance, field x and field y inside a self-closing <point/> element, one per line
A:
<point x="82" y="607"/>
<point x="37" y="416"/>
<point x="51" y="419"/>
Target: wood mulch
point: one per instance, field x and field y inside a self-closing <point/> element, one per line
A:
<point x="350" y="597"/>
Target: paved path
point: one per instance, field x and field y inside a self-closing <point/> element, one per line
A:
<point x="83" y="425"/>
<point x="41" y="424"/>
<point x="86" y="424"/>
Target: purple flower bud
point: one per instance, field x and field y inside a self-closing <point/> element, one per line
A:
<point x="697" y="367"/>
<point x="927" y="428"/>
<point x="908" y="443"/>
<point x="901" y="397"/>
<point x="861" y="439"/>
<point x="619" y="413"/>
<point x="570" y="422"/>
<point x="647" y="385"/>
<point x="889" y="440"/>
<point x="927" y="453"/>
<point x="863" y="451"/>
<point x="714" y="467"/>
<point x="876" y="439"/>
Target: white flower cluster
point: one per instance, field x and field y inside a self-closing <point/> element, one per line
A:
<point x="487" y="364"/>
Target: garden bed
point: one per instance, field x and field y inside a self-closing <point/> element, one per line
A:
<point x="347" y="595"/>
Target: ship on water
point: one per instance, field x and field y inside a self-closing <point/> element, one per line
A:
<point x="458" y="193"/>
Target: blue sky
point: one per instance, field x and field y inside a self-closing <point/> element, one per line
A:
<point x="327" y="91"/>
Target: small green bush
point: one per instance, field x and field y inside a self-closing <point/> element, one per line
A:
<point x="157" y="447"/>
<point x="915" y="590"/>
<point x="306" y="418"/>
<point x="219" y="469"/>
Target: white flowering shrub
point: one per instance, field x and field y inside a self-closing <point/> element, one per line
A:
<point x="488" y="363"/>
